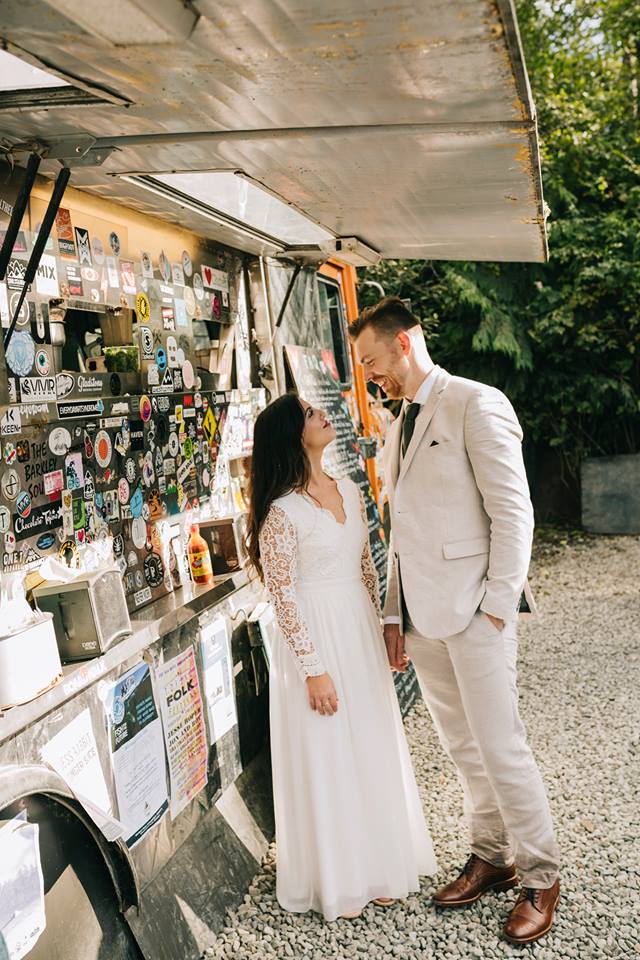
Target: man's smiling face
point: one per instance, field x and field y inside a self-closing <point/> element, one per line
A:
<point x="383" y="360"/>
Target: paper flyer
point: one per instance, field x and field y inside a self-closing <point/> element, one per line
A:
<point x="22" y="911"/>
<point x="184" y="729"/>
<point x="137" y="753"/>
<point x="215" y="650"/>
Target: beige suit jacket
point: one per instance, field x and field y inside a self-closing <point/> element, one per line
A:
<point x="461" y="515"/>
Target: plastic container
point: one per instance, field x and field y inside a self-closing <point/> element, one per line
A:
<point x="199" y="557"/>
<point x="29" y="662"/>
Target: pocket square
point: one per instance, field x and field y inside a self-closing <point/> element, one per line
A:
<point x="434" y="443"/>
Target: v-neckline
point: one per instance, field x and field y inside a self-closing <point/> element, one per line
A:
<point x="340" y="523"/>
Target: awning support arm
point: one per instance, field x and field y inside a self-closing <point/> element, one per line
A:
<point x="17" y="213"/>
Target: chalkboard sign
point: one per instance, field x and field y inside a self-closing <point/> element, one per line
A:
<point x="316" y="378"/>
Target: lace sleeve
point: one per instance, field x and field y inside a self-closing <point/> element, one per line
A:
<point x="278" y="545"/>
<point x="369" y="572"/>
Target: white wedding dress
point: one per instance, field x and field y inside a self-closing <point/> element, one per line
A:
<point x="349" y="823"/>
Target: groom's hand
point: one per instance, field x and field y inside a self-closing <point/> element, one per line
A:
<point x="394" y="642"/>
<point x="496" y="621"/>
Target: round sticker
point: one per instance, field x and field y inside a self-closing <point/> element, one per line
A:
<point x="23" y="315"/>
<point x="187" y="265"/>
<point x="123" y="490"/>
<point x="139" y="532"/>
<point x="20" y="353"/>
<point x="145" y="408"/>
<point x="143" y="308"/>
<point x="146" y="341"/>
<point x="153" y="570"/>
<point x="43" y="364"/>
<point x="69" y="553"/>
<point x="205" y="477"/>
<point x="187" y="374"/>
<point x="5" y="519"/>
<point x="118" y="545"/>
<point x="10" y="485"/>
<point x="165" y="267"/>
<point x="45" y="541"/>
<point x="161" y="359"/>
<point x="132" y="558"/>
<point x="174" y="446"/>
<point x="97" y="248"/>
<point x="189" y="302"/>
<point x="198" y="287"/>
<point x="59" y="441"/>
<point x="23" y="504"/>
<point x="138" y="579"/>
<point x="130" y="469"/>
<point x="114" y="242"/>
<point x="103" y="448"/>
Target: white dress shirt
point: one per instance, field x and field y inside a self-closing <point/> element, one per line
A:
<point x="421" y="397"/>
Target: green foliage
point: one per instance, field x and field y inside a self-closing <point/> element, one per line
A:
<point x="562" y="338"/>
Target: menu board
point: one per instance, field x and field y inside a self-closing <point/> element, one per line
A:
<point x="316" y="379"/>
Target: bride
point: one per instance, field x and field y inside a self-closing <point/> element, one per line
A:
<point x="349" y="824"/>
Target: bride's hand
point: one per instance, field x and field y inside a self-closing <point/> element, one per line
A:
<point x="322" y="695"/>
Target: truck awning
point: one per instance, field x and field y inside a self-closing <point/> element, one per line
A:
<point x="409" y="126"/>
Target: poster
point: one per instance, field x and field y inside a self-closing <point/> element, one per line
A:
<point x="73" y="754"/>
<point x="22" y="913"/>
<point x="184" y="730"/>
<point x="137" y="753"/>
<point x="215" y="651"/>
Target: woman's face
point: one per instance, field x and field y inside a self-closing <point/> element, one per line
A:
<point x="318" y="432"/>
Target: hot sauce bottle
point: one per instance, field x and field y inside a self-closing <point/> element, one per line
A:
<point x="199" y="557"/>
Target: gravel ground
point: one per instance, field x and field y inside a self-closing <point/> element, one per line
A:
<point x="579" y="700"/>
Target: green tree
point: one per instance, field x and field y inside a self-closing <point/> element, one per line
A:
<point x="562" y="338"/>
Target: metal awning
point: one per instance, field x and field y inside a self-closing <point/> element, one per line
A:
<point x="407" y="125"/>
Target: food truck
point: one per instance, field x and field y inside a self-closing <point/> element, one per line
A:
<point x="186" y="193"/>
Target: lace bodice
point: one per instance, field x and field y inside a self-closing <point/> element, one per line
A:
<point x="302" y="545"/>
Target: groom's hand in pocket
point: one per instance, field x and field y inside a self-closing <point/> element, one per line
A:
<point x="394" y="642"/>
<point x="322" y="695"/>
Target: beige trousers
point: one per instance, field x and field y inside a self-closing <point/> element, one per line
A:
<point x="469" y="684"/>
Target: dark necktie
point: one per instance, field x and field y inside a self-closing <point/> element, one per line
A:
<point x="409" y="424"/>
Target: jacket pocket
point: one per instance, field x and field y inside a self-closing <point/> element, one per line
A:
<point x="465" y="548"/>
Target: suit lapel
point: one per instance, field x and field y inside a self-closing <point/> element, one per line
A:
<point x="393" y="446"/>
<point x="424" y="419"/>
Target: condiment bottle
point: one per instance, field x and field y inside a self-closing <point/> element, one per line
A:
<point x="199" y="557"/>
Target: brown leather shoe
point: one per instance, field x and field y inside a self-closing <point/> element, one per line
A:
<point x="477" y="877"/>
<point x="532" y="915"/>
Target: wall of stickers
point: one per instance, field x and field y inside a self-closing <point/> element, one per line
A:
<point x="118" y="376"/>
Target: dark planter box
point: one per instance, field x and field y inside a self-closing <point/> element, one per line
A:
<point x="611" y="494"/>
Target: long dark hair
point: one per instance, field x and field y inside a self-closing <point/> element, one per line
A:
<point x="279" y="464"/>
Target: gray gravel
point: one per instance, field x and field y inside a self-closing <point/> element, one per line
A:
<point x="580" y="701"/>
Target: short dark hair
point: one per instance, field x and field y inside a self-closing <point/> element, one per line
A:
<point x="389" y="316"/>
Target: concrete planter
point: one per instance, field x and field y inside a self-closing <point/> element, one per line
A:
<point x="611" y="494"/>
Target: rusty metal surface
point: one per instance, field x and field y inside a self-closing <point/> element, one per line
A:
<point x="457" y="179"/>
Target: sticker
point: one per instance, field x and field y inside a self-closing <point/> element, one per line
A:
<point x="112" y="272"/>
<point x="168" y="318"/>
<point x="74" y="471"/>
<point x="153" y="375"/>
<point x="189" y="301"/>
<point x="9" y="542"/>
<point x="59" y="441"/>
<point x="53" y="483"/>
<point x="177" y="274"/>
<point x="24" y="314"/>
<point x="139" y="532"/>
<point x="5" y="519"/>
<point x="97" y="247"/>
<point x="90" y="274"/>
<point x="84" y="246"/>
<point x="64" y="229"/>
<point x="165" y="267"/>
<point x="187" y="264"/>
<point x="137" y="502"/>
<point x="143" y="308"/>
<point x="198" y="287"/>
<point x="161" y="359"/>
<point x="47" y="277"/>
<point x="130" y="469"/>
<point x="89" y="485"/>
<point x="181" y="313"/>
<point x="103" y="448"/>
<point x="148" y="473"/>
<point x="142" y="596"/>
<point x="11" y="422"/>
<point x="10" y="454"/>
<point x="153" y="570"/>
<point x="10" y="485"/>
<point x="64" y="385"/>
<point x="145" y="408"/>
<point x="214" y="278"/>
<point x="37" y="389"/>
<point x="74" y="280"/>
<point x="68" y="552"/>
<point x="21" y="353"/>
<point x="147" y="265"/>
<point x="43" y="364"/>
<point x="146" y="342"/>
<point x="128" y="277"/>
<point x="79" y="517"/>
<point x="23" y="504"/>
<point x="16" y="272"/>
<point x="188" y="374"/>
<point x="80" y="408"/>
<point x="123" y="490"/>
<point x="66" y="504"/>
<point x="45" y="541"/>
<point x="114" y="242"/>
<point x="112" y="505"/>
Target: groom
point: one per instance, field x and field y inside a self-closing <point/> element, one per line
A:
<point x="461" y="531"/>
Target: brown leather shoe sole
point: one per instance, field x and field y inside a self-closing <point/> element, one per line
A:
<point x="500" y="887"/>
<point x="536" y="936"/>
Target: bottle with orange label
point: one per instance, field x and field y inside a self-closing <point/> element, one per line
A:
<point x="199" y="557"/>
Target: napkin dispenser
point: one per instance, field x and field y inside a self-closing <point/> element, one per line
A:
<point x="29" y="662"/>
<point x="89" y="613"/>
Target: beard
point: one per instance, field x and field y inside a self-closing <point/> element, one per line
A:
<point x="392" y="389"/>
